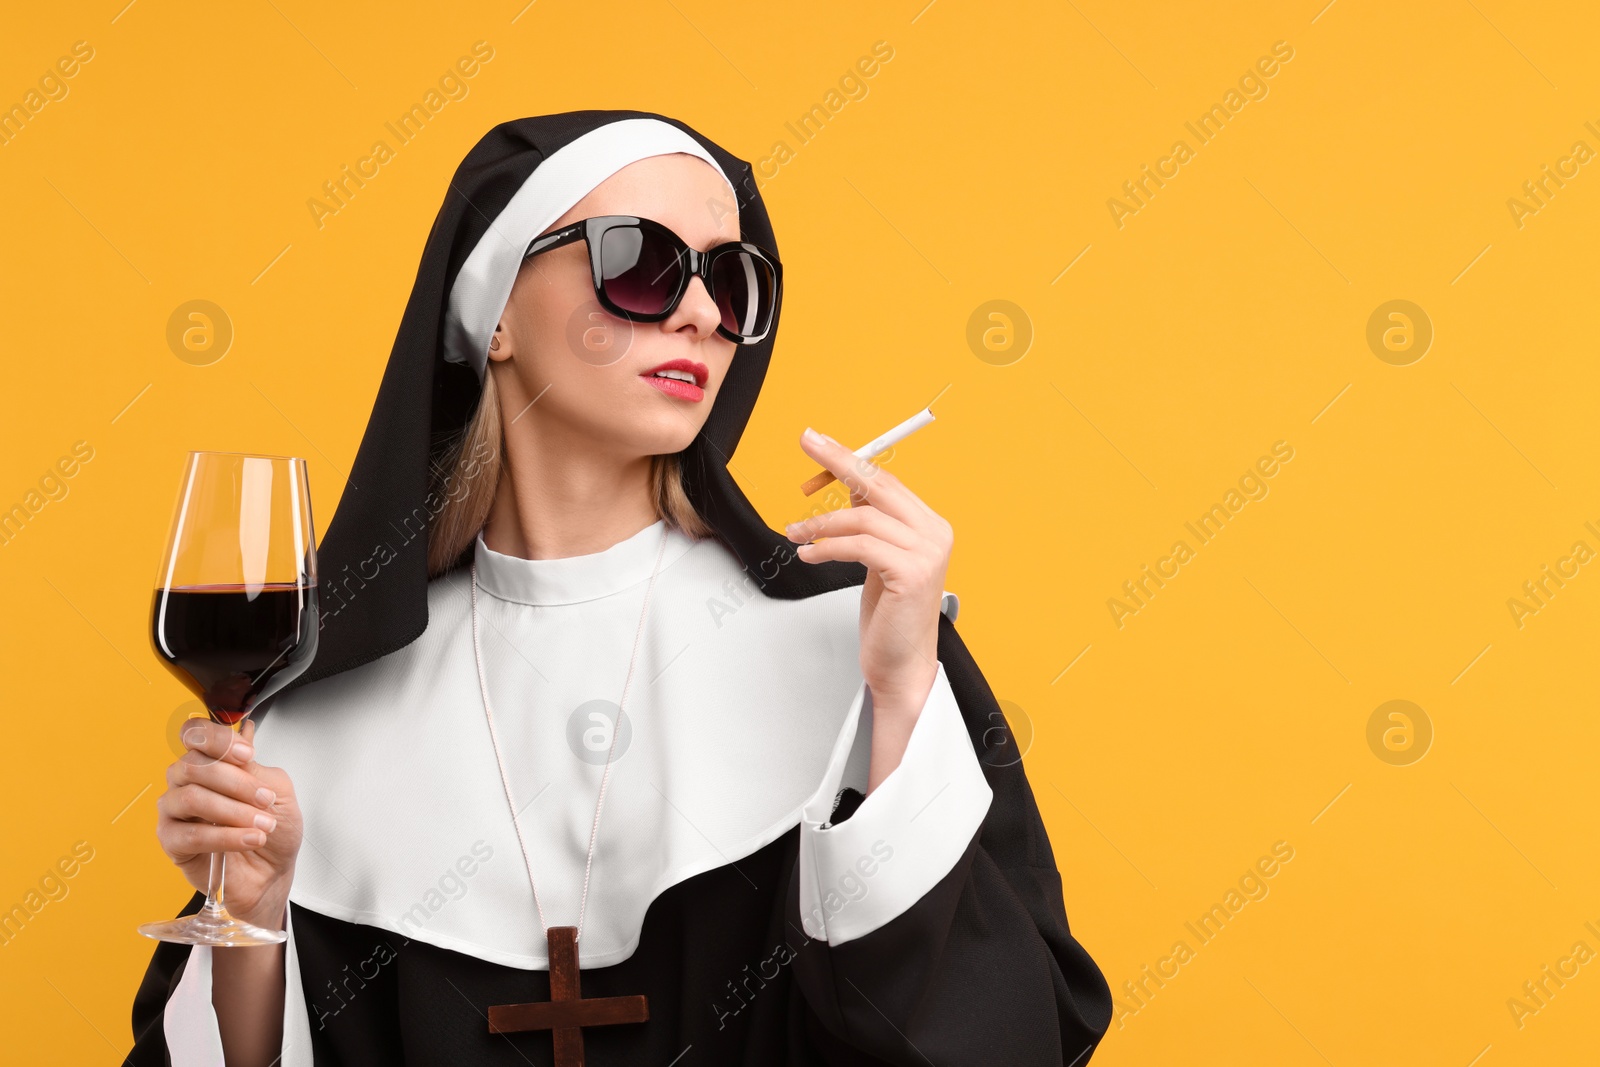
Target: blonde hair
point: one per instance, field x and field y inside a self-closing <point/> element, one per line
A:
<point x="465" y="471"/>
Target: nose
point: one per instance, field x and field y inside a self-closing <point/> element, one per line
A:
<point x="696" y="309"/>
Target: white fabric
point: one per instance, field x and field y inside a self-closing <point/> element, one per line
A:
<point x="566" y="176"/>
<point x="905" y="836"/>
<point x="190" y="1020"/>
<point x="746" y="712"/>
<point x="950" y="604"/>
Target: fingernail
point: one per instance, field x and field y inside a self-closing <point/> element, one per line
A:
<point x="266" y="822"/>
<point x="265" y="797"/>
<point x="252" y="839"/>
<point x="194" y="736"/>
<point x="811" y="436"/>
<point x="243" y="751"/>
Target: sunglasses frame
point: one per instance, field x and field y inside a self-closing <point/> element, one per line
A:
<point x="591" y="230"/>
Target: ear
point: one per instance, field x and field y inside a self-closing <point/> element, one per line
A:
<point x="500" y="343"/>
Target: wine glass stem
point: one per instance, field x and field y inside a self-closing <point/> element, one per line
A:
<point x="213" y="905"/>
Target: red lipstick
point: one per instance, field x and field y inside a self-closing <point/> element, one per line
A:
<point x="676" y="386"/>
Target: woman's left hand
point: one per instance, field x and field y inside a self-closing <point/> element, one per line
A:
<point x="905" y="546"/>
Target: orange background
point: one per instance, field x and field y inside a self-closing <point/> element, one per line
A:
<point x="1228" y="313"/>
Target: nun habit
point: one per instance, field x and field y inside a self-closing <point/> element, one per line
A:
<point x="771" y="914"/>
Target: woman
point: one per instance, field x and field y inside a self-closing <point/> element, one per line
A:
<point x="575" y="701"/>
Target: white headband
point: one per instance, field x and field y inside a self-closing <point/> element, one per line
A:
<point x="566" y="176"/>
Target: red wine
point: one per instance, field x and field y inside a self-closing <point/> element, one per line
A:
<point x="230" y="648"/>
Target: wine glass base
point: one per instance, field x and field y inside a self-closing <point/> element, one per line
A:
<point x="216" y="928"/>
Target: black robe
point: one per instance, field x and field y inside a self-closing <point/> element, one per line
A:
<point x="982" y="971"/>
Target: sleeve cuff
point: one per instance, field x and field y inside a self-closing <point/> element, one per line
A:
<point x="909" y="833"/>
<point x="190" y="1021"/>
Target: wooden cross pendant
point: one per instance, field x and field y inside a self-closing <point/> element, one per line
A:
<point x="566" y="1010"/>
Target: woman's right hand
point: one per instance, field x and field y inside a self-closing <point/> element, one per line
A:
<point x="219" y="799"/>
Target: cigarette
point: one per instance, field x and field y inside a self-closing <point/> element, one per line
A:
<point x="873" y="447"/>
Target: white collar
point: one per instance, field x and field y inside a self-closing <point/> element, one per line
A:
<point x="575" y="579"/>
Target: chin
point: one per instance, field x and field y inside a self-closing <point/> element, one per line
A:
<point x="652" y="429"/>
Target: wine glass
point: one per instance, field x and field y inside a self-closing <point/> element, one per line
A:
<point x="234" y="617"/>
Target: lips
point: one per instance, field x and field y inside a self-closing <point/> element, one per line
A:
<point x="674" y="385"/>
<point x="689" y="366"/>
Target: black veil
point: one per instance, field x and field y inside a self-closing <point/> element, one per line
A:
<point x="423" y="398"/>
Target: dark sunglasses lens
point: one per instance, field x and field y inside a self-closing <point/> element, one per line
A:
<point x="745" y="286"/>
<point x="639" y="268"/>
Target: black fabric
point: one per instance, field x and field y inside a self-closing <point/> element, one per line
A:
<point x="844" y="806"/>
<point x="962" y="978"/>
<point x="982" y="970"/>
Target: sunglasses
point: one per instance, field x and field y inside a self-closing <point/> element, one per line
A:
<point x="642" y="269"/>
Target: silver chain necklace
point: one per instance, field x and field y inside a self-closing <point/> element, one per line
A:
<point x="505" y="781"/>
